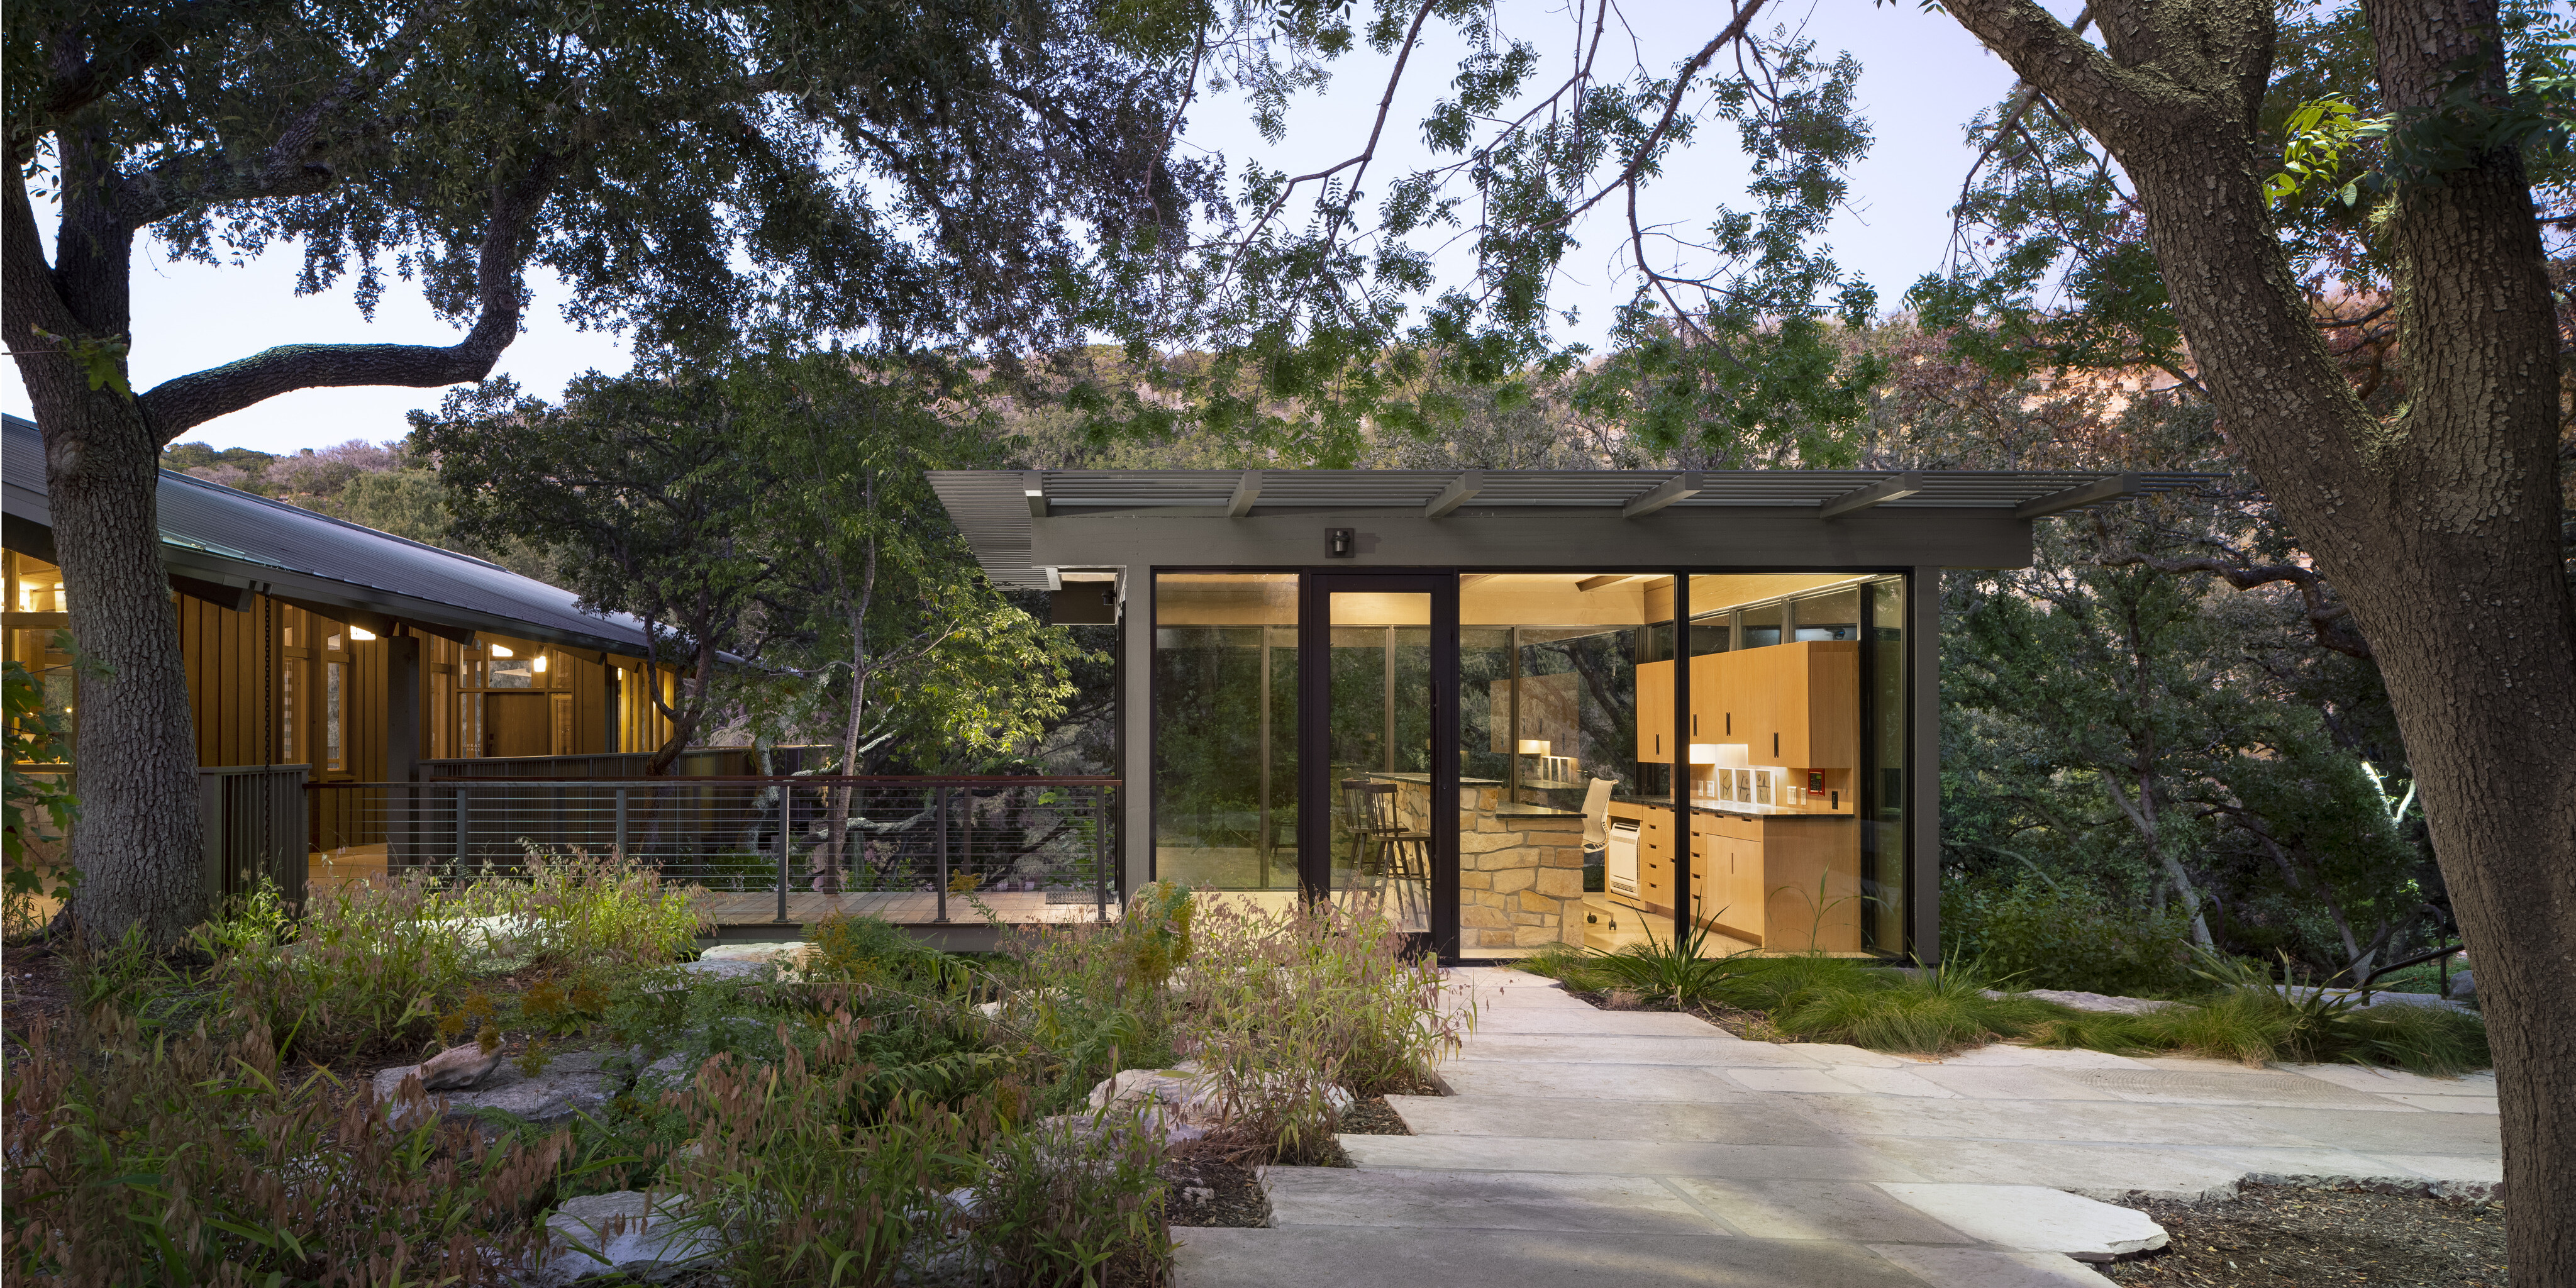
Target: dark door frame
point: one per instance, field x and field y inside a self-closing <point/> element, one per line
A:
<point x="1314" y="736"/>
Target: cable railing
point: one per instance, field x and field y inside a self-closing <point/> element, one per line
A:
<point x="784" y="848"/>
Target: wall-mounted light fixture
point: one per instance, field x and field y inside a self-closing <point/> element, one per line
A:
<point x="539" y="664"/>
<point x="500" y="650"/>
<point x="1340" y="543"/>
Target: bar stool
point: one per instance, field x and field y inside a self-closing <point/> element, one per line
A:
<point x="1383" y="851"/>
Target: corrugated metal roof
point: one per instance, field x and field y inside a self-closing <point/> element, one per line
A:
<point x="991" y="507"/>
<point x="216" y="532"/>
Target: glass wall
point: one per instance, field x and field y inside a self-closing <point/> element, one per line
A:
<point x="1224" y="689"/>
<point x="1548" y="702"/>
<point x="1888" y="721"/>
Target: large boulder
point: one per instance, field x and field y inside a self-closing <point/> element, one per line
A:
<point x="458" y="1068"/>
<point x="1186" y="1102"/>
<point x="572" y="1084"/>
<point x="627" y="1233"/>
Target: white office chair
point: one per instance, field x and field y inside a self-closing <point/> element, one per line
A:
<point x="1596" y="814"/>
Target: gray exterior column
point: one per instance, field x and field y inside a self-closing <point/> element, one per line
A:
<point x="402" y="708"/>
<point x="1136" y="714"/>
<point x="1923" y="761"/>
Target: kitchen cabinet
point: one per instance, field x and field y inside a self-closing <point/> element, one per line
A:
<point x="1791" y="705"/>
<point x="1655" y="712"/>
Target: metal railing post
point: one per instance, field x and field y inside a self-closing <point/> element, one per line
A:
<point x="1100" y="853"/>
<point x="786" y="818"/>
<point x="621" y="823"/>
<point x="459" y="874"/>
<point x="942" y="886"/>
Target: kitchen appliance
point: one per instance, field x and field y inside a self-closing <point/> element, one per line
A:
<point x="1623" y="856"/>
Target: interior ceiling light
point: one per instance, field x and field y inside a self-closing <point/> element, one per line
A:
<point x="502" y="651"/>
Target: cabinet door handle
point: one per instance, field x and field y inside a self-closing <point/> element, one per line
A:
<point x="1730" y="724"/>
<point x="1775" y="746"/>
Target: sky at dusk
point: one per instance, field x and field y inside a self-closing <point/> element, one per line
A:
<point x="1922" y="79"/>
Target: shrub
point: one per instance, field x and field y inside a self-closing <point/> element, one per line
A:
<point x="1277" y="1007"/>
<point x="1676" y="972"/>
<point x="807" y="1176"/>
<point x="2255" y="1020"/>
<point x="192" y="1160"/>
<point x="2039" y="936"/>
<point x="366" y="964"/>
<point x="1932" y="1012"/>
<point x="1072" y="1201"/>
<point x="869" y="950"/>
<point x="575" y="910"/>
<point x="1775" y="983"/>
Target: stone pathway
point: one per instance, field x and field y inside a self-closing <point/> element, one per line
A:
<point x="1646" y="1149"/>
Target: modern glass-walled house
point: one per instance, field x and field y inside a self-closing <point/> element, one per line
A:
<point x="1532" y="707"/>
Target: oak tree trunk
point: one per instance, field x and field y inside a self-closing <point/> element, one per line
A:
<point x="2438" y="524"/>
<point x="136" y="844"/>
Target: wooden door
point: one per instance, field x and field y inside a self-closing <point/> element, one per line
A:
<point x="1655" y="712"/>
<point x="517" y="724"/>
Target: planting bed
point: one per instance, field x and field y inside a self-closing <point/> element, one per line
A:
<point x="2271" y="1237"/>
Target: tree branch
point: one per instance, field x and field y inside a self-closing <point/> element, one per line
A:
<point x="184" y="402"/>
<point x="2051" y="58"/>
<point x="122" y="57"/>
<point x="2329" y="618"/>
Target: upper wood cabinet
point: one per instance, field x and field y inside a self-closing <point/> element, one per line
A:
<point x="1793" y="705"/>
<point x="1655" y="712"/>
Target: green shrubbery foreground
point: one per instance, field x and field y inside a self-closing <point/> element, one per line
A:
<point x="2236" y="1013"/>
<point x="885" y="1112"/>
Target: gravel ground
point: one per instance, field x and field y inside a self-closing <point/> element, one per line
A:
<point x="1373" y="1117"/>
<point x="2269" y="1237"/>
<point x="1206" y="1192"/>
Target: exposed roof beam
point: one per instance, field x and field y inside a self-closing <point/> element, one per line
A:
<point x="1247" y="490"/>
<point x="1590" y="584"/>
<point x="1465" y="486"/>
<point x="1903" y="485"/>
<point x="1670" y="490"/>
<point x="2107" y="489"/>
<point x="1033" y="482"/>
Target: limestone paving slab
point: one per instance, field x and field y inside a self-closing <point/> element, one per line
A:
<point x="2228" y="1085"/>
<point x="1628" y="1158"/>
<point x="1634" y="1147"/>
<point x="1709" y="1051"/>
<point x="2099" y="1122"/>
<point x="1435" y="1200"/>
<point x="1851" y="1211"/>
<point x="2383" y="1082"/>
<point x="2006" y="1054"/>
<point x="1844" y="1080"/>
<point x="2113" y="1171"/>
<point x="1535" y="1020"/>
<point x="2450" y="1104"/>
<point x="1987" y="1268"/>
<point x="1361" y="1257"/>
<point x="2030" y="1218"/>
<point x="1735" y="1123"/>
<point x="2413" y="1131"/>
<point x="1577" y="1081"/>
<point x="2010" y="1082"/>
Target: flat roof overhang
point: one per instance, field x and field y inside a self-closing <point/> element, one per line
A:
<point x="1026" y="526"/>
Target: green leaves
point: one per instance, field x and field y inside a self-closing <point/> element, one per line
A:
<point x="2318" y="134"/>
